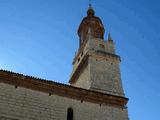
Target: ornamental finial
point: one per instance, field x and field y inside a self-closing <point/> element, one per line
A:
<point x="90" y="3"/>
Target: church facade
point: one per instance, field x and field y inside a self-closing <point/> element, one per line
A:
<point x="95" y="91"/>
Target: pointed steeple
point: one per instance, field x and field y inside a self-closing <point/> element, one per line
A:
<point x="110" y="44"/>
<point x="109" y="36"/>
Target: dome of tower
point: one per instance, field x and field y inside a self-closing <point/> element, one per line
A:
<point x="92" y="25"/>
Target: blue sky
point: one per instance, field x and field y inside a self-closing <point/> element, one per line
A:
<point x="39" y="38"/>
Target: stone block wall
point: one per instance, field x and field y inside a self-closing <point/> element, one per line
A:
<point x="26" y="104"/>
<point x="84" y="80"/>
<point x="105" y="75"/>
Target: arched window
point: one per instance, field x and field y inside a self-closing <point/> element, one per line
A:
<point x="70" y="114"/>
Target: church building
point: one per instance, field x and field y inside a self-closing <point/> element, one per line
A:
<point x="94" y="92"/>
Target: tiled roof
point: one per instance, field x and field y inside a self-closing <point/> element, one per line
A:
<point x="64" y="90"/>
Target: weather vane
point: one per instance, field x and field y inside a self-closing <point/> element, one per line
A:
<point x="90" y="3"/>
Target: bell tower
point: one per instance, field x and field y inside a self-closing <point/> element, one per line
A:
<point x="96" y="65"/>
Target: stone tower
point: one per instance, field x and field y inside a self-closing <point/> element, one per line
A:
<point x="96" y="65"/>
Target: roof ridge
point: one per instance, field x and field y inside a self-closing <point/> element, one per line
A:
<point x="55" y="83"/>
<point x="33" y="77"/>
